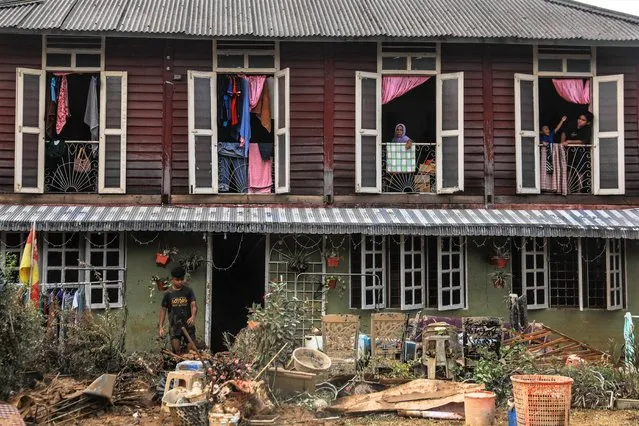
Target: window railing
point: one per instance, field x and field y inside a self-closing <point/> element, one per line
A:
<point x="566" y="169"/>
<point x="410" y="170"/>
<point x="71" y="166"/>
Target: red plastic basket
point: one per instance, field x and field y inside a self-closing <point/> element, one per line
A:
<point x="542" y="400"/>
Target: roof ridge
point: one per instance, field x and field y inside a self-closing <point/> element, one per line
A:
<point x="596" y="9"/>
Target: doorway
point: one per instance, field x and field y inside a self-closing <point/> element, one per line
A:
<point x="238" y="279"/>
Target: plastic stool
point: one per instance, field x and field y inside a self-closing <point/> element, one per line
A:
<point x="183" y="379"/>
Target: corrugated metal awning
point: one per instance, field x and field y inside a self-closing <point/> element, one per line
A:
<point x="622" y="223"/>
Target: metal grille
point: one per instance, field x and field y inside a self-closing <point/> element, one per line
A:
<point x="564" y="274"/>
<point x="408" y="170"/>
<point x="286" y="255"/>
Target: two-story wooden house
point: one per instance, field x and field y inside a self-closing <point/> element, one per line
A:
<point x="261" y="136"/>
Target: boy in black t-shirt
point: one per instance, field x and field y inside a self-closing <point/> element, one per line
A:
<point x="180" y="304"/>
<point x="579" y="133"/>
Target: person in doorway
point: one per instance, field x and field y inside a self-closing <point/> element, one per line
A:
<point x="578" y="133"/>
<point x="179" y="303"/>
<point x="400" y="136"/>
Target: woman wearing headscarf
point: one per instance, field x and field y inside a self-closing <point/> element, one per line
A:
<point x="400" y="136"/>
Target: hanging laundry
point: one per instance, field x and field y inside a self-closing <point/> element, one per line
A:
<point x="245" y="119"/>
<point x="63" y="105"/>
<point x="263" y="108"/>
<point x="256" y="84"/>
<point x="51" y="110"/>
<point x="234" y="94"/>
<point x="91" y="117"/>
<point x="224" y="101"/>
<point x="259" y="171"/>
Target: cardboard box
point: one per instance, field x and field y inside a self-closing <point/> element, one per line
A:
<point x="421" y="183"/>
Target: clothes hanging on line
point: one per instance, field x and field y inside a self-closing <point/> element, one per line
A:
<point x="91" y="117"/>
<point x="259" y="171"/>
<point x="63" y="105"/>
<point x="263" y="108"/>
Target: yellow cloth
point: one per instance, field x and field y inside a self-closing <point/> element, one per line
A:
<point x="29" y="273"/>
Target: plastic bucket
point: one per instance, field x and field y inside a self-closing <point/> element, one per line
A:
<point x="479" y="408"/>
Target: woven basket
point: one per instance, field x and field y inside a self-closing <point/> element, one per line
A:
<point x="310" y="360"/>
<point x="193" y="414"/>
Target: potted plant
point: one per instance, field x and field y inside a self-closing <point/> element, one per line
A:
<point x="163" y="257"/>
<point x="500" y="278"/>
<point x="332" y="259"/>
<point x="330" y="282"/>
<point x="500" y="259"/>
<point x="191" y="262"/>
<point x="162" y="284"/>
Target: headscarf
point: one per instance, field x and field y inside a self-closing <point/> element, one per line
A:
<point x="403" y="138"/>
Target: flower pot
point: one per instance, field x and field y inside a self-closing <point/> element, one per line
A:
<point x="161" y="259"/>
<point x="162" y="285"/>
<point x="332" y="261"/>
<point x="500" y="262"/>
<point x="498" y="283"/>
<point x="331" y="283"/>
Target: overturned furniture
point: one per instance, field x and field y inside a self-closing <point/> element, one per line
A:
<point x="340" y="334"/>
<point x="387" y="334"/>
<point x="550" y="346"/>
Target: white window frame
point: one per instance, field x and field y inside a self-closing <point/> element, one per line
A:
<point x="84" y="277"/>
<point x="359" y="132"/>
<point x="535" y="286"/>
<point x="282" y="187"/>
<point x="459" y="133"/>
<point x="274" y="52"/>
<point x="462" y="287"/>
<point x="74" y="52"/>
<point x="564" y="58"/>
<point x="104" y="132"/>
<point x="614" y="275"/>
<point x="520" y="134"/>
<point x="598" y="135"/>
<point x="409" y="56"/>
<point x="378" y="286"/>
<point x="193" y="132"/>
<point x="89" y="249"/>
<point x="413" y="286"/>
<point x="20" y="130"/>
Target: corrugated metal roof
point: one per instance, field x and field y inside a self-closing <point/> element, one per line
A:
<point x="375" y="221"/>
<point x="367" y="19"/>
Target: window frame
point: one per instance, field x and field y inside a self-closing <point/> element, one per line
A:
<point x="564" y="58"/>
<point x="441" y="133"/>
<point x="360" y="132"/>
<point x="582" y="294"/>
<point x="545" y="269"/>
<point x="84" y="278"/>
<point x="381" y="54"/>
<point x="20" y="129"/>
<point x="462" y="269"/>
<point x="121" y="268"/>
<point x="403" y="270"/>
<point x="520" y="134"/>
<point x="374" y="269"/>
<point x="275" y="72"/>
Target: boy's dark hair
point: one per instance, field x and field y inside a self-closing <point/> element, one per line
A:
<point x="178" y="272"/>
<point x="588" y="116"/>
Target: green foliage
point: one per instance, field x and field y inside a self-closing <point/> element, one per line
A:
<point x="21" y="333"/>
<point x="93" y="345"/>
<point x="276" y="323"/>
<point x="494" y="370"/>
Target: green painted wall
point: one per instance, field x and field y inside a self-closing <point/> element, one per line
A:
<point x="142" y="310"/>
<point x="595" y="327"/>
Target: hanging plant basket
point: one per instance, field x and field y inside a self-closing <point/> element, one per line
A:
<point x="331" y="283"/>
<point x="498" y="283"/>
<point x="162" y="259"/>
<point x="162" y="285"/>
<point x="499" y="262"/>
<point x="332" y="261"/>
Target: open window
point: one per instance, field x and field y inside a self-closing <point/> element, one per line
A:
<point x="527" y="133"/>
<point x="451" y="273"/>
<point x="71" y="120"/>
<point x="239" y="122"/>
<point x="577" y="273"/>
<point x="426" y="156"/>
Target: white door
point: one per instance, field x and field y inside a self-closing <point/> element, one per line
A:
<point x="527" y="134"/>
<point x="368" y="139"/>
<point x="450" y="133"/>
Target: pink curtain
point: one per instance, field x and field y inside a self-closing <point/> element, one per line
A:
<point x="256" y="85"/>
<point x="575" y="91"/>
<point x="394" y="87"/>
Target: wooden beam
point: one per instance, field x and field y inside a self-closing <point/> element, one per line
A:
<point x="167" y="122"/>
<point x="487" y="91"/>
<point x="329" y="119"/>
<point x="89" y="199"/>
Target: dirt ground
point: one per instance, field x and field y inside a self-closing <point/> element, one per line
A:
<point x="293" y="415"/>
